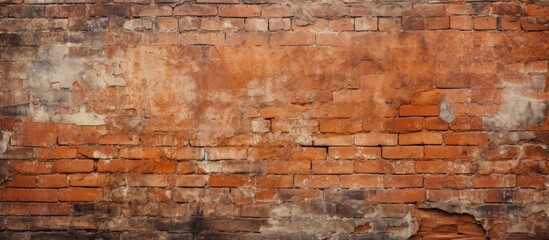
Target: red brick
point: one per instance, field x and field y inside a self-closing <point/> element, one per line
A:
<point x="167" y="24"/>
<point x="98" y="152"/>
<point x="448" y="195"/>
<point x="135" y="166"/>
<point x="34" y="167"/>
<point x="461" y="8"/>
<point x="403" y="125"/>
<point x="389" y="24"/>
<point x="275" y="181"/>
<point x="350" y="153"/>
<point x="361" y="181"/>
<point x="43" y="135"/>
<point x="52" y="181"/>
<point x="308" y="153"/>
<point x="430" y="9"/>
<point x="289" y="167"/>
<point x="277" y="11"/>
<point x="147" y="10"/>
<point x="184" y="153"/>
<point x="228" y="181"/>
<point x="446" y="152"/>
<point x="435" y="123"/>
<point x="413" y="23"/>
<point x="418" y="110"/>
<point x="140" y="153"/>
<point x="507" y="9"/>
<point x="332" y="167"/>
<point x="55" y="153"/>
<point x="317" y="181"/>
<point x="164" y="166"/>
<point x="402" y="181"/>
<point x="494" y="181"/>
<point x="299" y="195"/>
<point x="217" y="1"/>
<point x="80" y="194"/>
<point x="89" y="180"/>
<point x="539" y="182"/>
<point x="437" y="23"/>
<point x="402" y="152"/>
<point x="26" y="209"/>
<point x="119" y="139"/>
<point x="420" y="138"/>
<point x="211" y="24"/>
<point x="536" y="10"/>
<point x="485" y="23"/>
<point x="534" y="23"/>
<point x="37" y="195"/>
<point x="104" y="10"/>
<point x="465" y="138"/>
<point x="22" y="181"/>
<point x="400" y="196"/>
<point x="333" y="140"/>
<point x="376" y="139"/>
<point x="9" y="194"/>
<point x="248" y="225"/>
<point x="65" y="11"/>
<point x="433" y="167"/>
<point x="373" y="166"/>
<point x="239" y="11"/>
<point x="190" y="180"/>
<point x="292" y="38"/>
<point x="68" y="166"/>
<point x="445" y="181"/>
<point x="159" y="195"/>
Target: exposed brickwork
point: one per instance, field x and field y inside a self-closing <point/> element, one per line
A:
<point x="263" y="119"/>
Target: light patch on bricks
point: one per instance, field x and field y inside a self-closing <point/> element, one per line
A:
<point x="6" y="135"/>
<point x="518" y="109"/>
<point x="447" y="111"/>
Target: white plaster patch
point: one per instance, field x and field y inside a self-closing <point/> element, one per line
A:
<point x="6" y="135"/>
<point x="80" y="118"/>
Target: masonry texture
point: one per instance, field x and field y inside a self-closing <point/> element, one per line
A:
<point x="274" y="119"/>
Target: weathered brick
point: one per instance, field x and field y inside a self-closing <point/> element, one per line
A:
<point x="402" y="181"/>
<point x="80" y="194"/>
<point x="195" y="10"/>
<point x="279" y="24"/>
<point x="69" y="166"/>
<point x="292" y="38"/>
<point x="289" y="167"/>
<point x="420" y="138"/>
<point x="361" y="181"/>
<point x="228" y="181"/>
<point x="316" y="181"/>
<point x="239" y="11"/>
<point x="445" y="181"/>
<point x="400" y="196"/>
<point x="376" y="139"/>
<point x="402" y="152"/>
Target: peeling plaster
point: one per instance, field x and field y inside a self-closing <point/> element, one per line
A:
<point x="6" y="135"/>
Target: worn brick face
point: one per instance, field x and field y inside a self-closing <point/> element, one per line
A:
<point x="264" y="119"/>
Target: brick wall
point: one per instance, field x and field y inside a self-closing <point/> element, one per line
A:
<point x="265" y="119"/>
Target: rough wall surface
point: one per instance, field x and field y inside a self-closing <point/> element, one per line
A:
<point x="265" y="119"/>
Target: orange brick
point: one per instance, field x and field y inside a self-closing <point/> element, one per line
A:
<point x="373" y="166"/>
<point x="164" y="166"/>
<point x="332" y="167"/>
<point x="184" y="153"/>
<point x="333" y="140"/>
<point x="435" y="123"/>
<point x="52" y="181"/>
<point x="26" y="167"/>
<point x="402" y="152"/>
<point x="485" y="23"/>
<point x="446" y="152"/>
<point x="445" y="181"/>
<point x="350" y="153"/>
<point x="403" y="125"/>
<point x="400" y="196"/>
<point x="342" y="24"/>
<point x="68" y="166"/>
<point x="35" y="135"/>
<point x="420" y="138"/>
<point x="433" y="167"/>
<point x="26" y="209"/>
<point x="461" y="22"/>
<point x="98" y="152"/>
<point x="9" y="194"/>
<point x="289" y="167"/>
<point x="539" y="182"/>
<point x="413" y="23"/>
<point x="140" y="153"/>
<point x="494" y="181"/>
<point x="376" y="139"/>
<point x="147" y="180"/>
<point x="228" y="181"/>
<point x="465" y="138"/>
<point x="22" y="181"/>
<point x="80" y="194"/>
<point x="64" y="11"/>
<point x="119" y="139"/>
<point x="429" y="9"/>
<point x="89" y="180"/>
<point x="389" y="24"/>
<point x="266" y="195"/>
<point x="418" y="110"/>
<point x="239" y="11"/>
<point x="135" y="166"/>
<point x="226" y="153"/>
<point x="147" y="10"/>
<point x="249" y="38"/>
<point x="437" y="23"/>
<point x="366" y="24"/>
<point x="190" y="180"/>
<point x="37" y="195"/>
<point x="361" y="181"/>
<point x="308" y="153"/>
<point x="402" y="181"/>
<point x="340" y="125"/>
<point x="317" y="181"/>
<point x="55" y="152"/>
<point x="275" y="181"/>
<point x="292" y="38"/>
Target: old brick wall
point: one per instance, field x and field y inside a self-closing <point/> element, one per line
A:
<point x="274" y="119"/>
